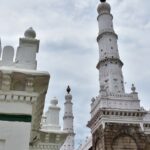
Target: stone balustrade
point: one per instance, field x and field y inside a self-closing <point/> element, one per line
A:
<point x="45" y="146"/>
<point x="18" y="96"/>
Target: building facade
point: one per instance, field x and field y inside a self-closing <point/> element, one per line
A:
<point x="22" y="98"/>
<point x="118" y="122"/>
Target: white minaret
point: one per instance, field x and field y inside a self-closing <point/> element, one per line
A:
<point x="109" y="65"/>
<point x="117" y="119"/>
<point x="68" y="122"/>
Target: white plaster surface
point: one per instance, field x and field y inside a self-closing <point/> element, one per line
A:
<point x="14" y="135"/>
<point x="52" y="117"/>
<point x="15" y="108"/>
<point x="110" y="73"/>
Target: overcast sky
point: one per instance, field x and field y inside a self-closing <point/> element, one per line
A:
<point x="67" y="30"/>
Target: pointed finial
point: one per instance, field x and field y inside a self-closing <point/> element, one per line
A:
<point x="68" y="89"/>
<point x="133" y="88"/>
<point x="103" y="1"/>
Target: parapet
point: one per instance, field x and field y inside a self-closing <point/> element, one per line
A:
<point x="25" y="57"/>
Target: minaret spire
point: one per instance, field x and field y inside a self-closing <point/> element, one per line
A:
<point x="103" y="0"/>
<point x="68" y="89"/>
<point x="68" y="121"/>
<point x="109" y="65"/>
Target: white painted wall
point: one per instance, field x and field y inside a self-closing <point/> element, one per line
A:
<point x="14" y="135"/>
<point x="22" y="108"/>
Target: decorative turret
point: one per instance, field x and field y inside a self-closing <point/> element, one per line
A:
<point x="52" y="117"/>
<point x="109" y="65"/>
<point x="68" y="114"/>
<point x="26" y="52"/>
<point x="68" y="121"/>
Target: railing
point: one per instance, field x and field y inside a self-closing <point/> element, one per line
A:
<point x="46" y="146"/>
<point x="18" y="96"/>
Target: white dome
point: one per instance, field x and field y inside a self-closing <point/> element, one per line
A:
<point x="30" y="33"/>
<point x="104" y="7"/>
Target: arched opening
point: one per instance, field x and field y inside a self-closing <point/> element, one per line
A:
<point x="124" y="142"/>
<point x="147" y="147"/>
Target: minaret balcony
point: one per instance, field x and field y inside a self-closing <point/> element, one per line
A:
<point x="109" y="60"/>
<point x="107" y="31"/>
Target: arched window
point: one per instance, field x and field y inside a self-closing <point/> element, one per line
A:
<point x="124" y="142"/>
<point x="147" y="147"/>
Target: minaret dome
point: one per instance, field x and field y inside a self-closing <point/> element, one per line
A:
<point x="103" y="8"/>
<point x="30" y="33"/>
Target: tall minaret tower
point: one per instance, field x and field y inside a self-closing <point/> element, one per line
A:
<point x="117" y="119"/>
<point x="109" y="65"/>
<point x="68" y="121"/>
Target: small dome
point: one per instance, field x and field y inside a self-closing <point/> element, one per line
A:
<point x="103" y="8"/>
<point x="68" y="97"/>
<point x="30" y="33"/>
<point x="54" y="101"/>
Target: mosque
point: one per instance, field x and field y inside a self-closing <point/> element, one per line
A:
<point x="117" y="122"/>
